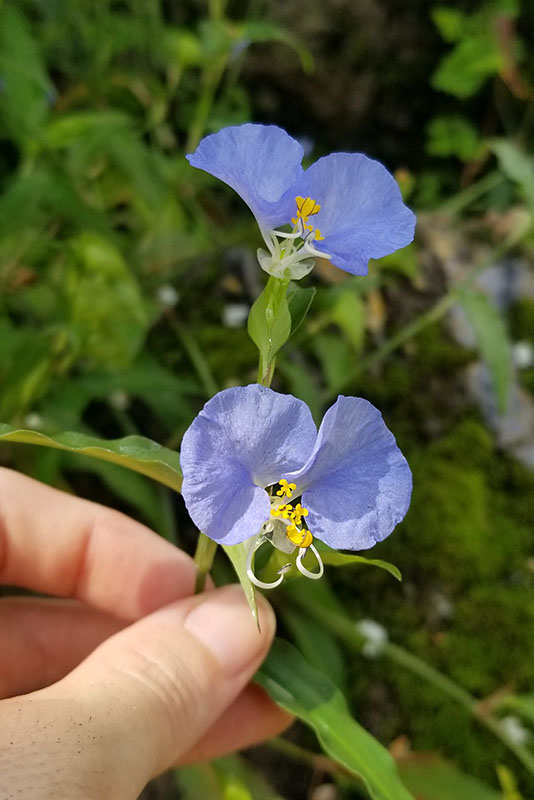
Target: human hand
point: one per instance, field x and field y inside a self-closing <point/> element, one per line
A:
<point x="129" y="673"/>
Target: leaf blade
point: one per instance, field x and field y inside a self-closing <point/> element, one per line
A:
<point x="312" y="697"/>
<point x="133" y="452"/>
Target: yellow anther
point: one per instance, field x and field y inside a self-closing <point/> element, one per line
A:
<point x="298" y="513"/>
<point x="308" y="538"/>
<point x="301" y="538"/>
<point x="279" y="511"/>
<point x="307" y="207"/>
<point x="318" y="235"/>
<point x="286" y="489"/>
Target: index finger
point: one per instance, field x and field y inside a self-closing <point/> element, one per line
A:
<point x="61" y="545"/>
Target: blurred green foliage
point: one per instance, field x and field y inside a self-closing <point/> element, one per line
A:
<point x="122" y="270"/>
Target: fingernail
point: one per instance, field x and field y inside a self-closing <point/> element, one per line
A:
<point x="224" y="624"/>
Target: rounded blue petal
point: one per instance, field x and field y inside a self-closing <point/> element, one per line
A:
<point x="243" y="440"/>
<point x="362" y="215"/>
<point x="356" y="483"/>
<point x="261" y="162"/>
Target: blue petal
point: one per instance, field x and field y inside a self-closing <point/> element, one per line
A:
<point x="356" y="484"/>
<point x="362" y="215"/>
<point x="262" y="164"/>
<point x="243" y="440"/>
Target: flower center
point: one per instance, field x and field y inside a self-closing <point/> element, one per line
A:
<point x="293" y="256"/>
<point x="291" y="516"/>
<point x="284" y="533"/>
<point x="306" y="208"/>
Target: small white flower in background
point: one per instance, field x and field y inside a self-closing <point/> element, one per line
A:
<point x="515" y="730"/>
<point x="375" y="637"/>
<point x="33" y="421"/>
<point x="167" y="296"/>
<point x="119" y="400"/>
<point x="523" y="355"/>
<point x="234" y="315"/>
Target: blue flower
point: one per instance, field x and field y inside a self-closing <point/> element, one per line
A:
<point x="256" y="468"/>
<point x="345" y="207"/>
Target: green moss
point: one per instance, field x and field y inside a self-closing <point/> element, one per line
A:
<point x="447" y="529"/>
<point x="469" y="443"/>
<point x="492" y="640"/>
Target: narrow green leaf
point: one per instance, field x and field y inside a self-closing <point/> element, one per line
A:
<point x="134" y="452"/>
<point x="334" y="559"/>
<point x="315" y="700"/>
<point x="237" y="553"/>
<point x="492" y="339"/>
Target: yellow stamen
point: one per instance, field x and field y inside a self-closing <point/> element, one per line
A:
<point x="284" y="511"/>
<point x="307" y="207"/>
<point x="286" y="489"/>
<point x="298" y="513"/>
<point x="301" y="538"/>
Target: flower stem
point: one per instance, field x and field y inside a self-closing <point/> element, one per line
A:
<point x="204" y="555"/>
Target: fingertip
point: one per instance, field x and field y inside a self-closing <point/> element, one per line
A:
<point x="224" y="624"/>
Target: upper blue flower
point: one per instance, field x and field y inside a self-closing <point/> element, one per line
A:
<point x="251" y="453"/>
<point x="345" y="207"/>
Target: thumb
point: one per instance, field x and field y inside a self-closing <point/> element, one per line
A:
<point x="146" y="695"/>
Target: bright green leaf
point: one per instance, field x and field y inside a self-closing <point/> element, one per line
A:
<point x="453" y="136"/>
<point x="316" y="701"/>
<point x="450" y="22"/>
<point x="334" y="559"/>
<point x="465" y="70"/>
<point x="134" y="452"/>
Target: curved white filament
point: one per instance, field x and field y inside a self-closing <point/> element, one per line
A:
<point x="255" y="544"/>
<point x="306" y="572"/>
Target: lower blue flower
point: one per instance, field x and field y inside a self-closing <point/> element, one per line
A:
<point x="255" y="465"/>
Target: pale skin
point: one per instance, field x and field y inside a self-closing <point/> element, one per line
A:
<point x="120" y="672"/>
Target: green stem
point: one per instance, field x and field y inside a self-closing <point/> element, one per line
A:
<point x="345" y="629"/>
<point x="204" y="556"/>
<point x="198" y="360"/>
<point x="467" y="196"/>
<point x="210" y="83"/>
